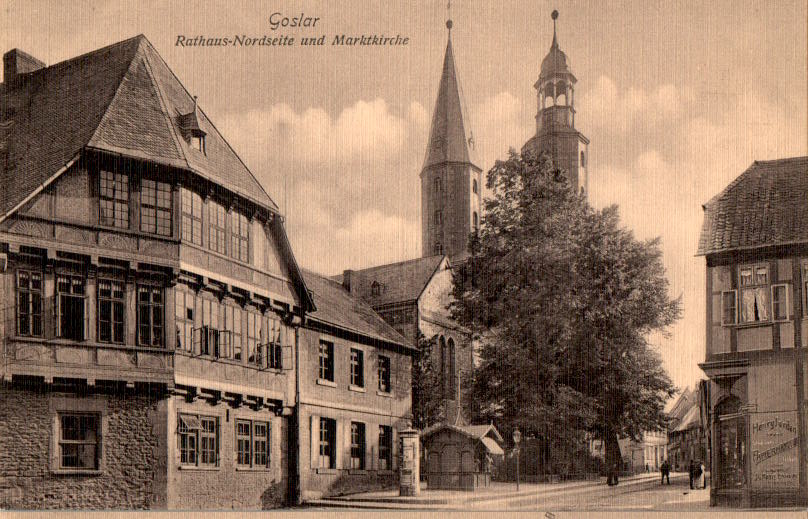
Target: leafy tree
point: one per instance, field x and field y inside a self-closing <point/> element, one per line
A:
<point x="566" y="299"/>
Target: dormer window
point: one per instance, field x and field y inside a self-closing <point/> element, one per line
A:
<point x="191" y="130"/>
<point x="198" y="142"/>
<point x="375" y="288"/>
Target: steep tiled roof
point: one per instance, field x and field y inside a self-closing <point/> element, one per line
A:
<point x="398" y="282"/>
<point x="122" y="99"/>
<point x="336" y="307"/>
<point x="764" y="206"/>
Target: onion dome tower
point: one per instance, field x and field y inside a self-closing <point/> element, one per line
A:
<point x="555" y="118"/>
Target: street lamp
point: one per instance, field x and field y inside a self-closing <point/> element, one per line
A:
<point x="517" y="437"/>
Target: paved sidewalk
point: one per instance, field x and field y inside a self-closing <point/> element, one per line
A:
<point x="498" y="495"/>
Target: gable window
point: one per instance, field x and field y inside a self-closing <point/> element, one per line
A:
<point x="357" y="445"/>
<point x="239" y="236"/>
<point x="328" y="443"/>
<point x="184" y="319"/>
<point x="385" y="447"/>
<point x="198" y="438"/>
<point x="375" y="288"/>
<point x="114" y="199"/>
<point x="326" y="361"/>
<point x="217" y="220"/>
<point x="150" y="315"/>
<point x="198" y="143"/>
<point x="155" y="207"/>
<point x="754" y="293"/>
<point x="191" y="217"/>
<point x="79" y="441"/>
<point x="252" y="443"/>
<point x="384" y="374"/>
<point x="357" y="368"/>
<point x="111" y="311"/>
<point x="29" y="303"/>
<point x="70" y="303"/>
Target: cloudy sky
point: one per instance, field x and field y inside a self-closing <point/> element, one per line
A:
<point x="677" y="98"/>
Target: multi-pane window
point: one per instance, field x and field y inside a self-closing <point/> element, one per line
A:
<point x="184" y="319"/>
<point x="326" y="371"/>
<point x="198" y="438"/>
<point x="252" y="443"/>
<point x="114" y="199"/>
<point x="780" y="302"/>
<point x="155" y="207"/>
<point x="274" y="344"/>
<point x="754" y="293"/>
<point x="29" y="303"/>
<point x="328" y="443"/>
<point x="239" y="236"/>
<point x="357" y="445"/>
<point x="385" y="447"/>
<point x="70" y="301"/>
<point x="438" y="185"/>
<point x="191" y="217"/>
<point x="255" y="354"/>
<point x="438" y="218"/>
<point x="451" y="374"/>
<point x="357" y="367"/>
<point x="79" y="439"/>
<point x="232" y="346"/>
<point x="150" y="315"/>
<point x="209" y="337"/>
<point x="384" y="374"/>
<point x="217" y="221"/>
<point x="111" y="311"/>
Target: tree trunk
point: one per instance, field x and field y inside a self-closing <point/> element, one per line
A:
<point x="613" y="456"/>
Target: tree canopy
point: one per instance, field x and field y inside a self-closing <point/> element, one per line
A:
<point x="562" y="299"/>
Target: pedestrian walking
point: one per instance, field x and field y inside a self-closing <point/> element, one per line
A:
<point x="666" y="472"/>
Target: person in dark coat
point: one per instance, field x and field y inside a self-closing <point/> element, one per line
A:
<point x="666" y="472"/>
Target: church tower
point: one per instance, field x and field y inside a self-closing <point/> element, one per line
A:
<point x="555" y="118"/>
<point x="450" y="183"/>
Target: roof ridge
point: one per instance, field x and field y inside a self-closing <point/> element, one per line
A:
<point x="101" y="50"/>
<point x="404" y="262"/>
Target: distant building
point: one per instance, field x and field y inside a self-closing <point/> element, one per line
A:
<point x="647" y="453"/>
<point x="755" y="242"/>
<point x="686" y="435"/>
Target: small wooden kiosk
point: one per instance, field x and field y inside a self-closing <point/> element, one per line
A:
<point x="460" y="457"/>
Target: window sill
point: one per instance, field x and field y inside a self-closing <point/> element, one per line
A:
<point x="324" y="382"/>
<point x="76" y="472"/>
<point x="327" y="471"/>
<point x="358" y="389"/>
<point x="201" y="469"/>
<point x="386" y="394"/>
<point x="253" y="469"/>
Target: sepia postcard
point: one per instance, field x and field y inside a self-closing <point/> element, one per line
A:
<point x="404" y="257"/>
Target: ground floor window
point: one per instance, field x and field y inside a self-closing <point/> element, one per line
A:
<point x="252" y="443"/>
<point x="731" y="445"/>
<point x="385" y="447"/>
<point x="198" y="438"/>
<point x="357" y="445"/>
<point x="328" y="443"/>
<point x="79" y="439"/>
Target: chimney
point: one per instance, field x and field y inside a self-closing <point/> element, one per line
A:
<point x="347" y="276"/>
<point x="16" y="63"/>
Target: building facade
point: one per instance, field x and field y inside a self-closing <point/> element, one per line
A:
<point x="152" y="309"/>
<point x="413" y="297"/>
<point x="555" y="118"/>
<point x="756" y="248"/>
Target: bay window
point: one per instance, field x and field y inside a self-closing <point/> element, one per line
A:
<point x="217" y="221"/>
<point x="184" y="319"/>
<point x="239" y="236"/>
<point x="114" y="199"/>
<point x="155" y="207"/>
<point x="191" y="216"/>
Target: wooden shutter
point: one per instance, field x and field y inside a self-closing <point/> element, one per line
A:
<point x="315" y="441"/>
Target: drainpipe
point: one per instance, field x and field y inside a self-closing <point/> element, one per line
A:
<point x="298" y="492"/>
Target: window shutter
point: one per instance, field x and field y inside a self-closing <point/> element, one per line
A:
<point x="315" y="441"/>
<point x="346" y="444"/>
<point x="368" y="450"/>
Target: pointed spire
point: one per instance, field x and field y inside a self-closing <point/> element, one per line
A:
<point x="554" y="16"/>
<point x="447" y="136"/>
